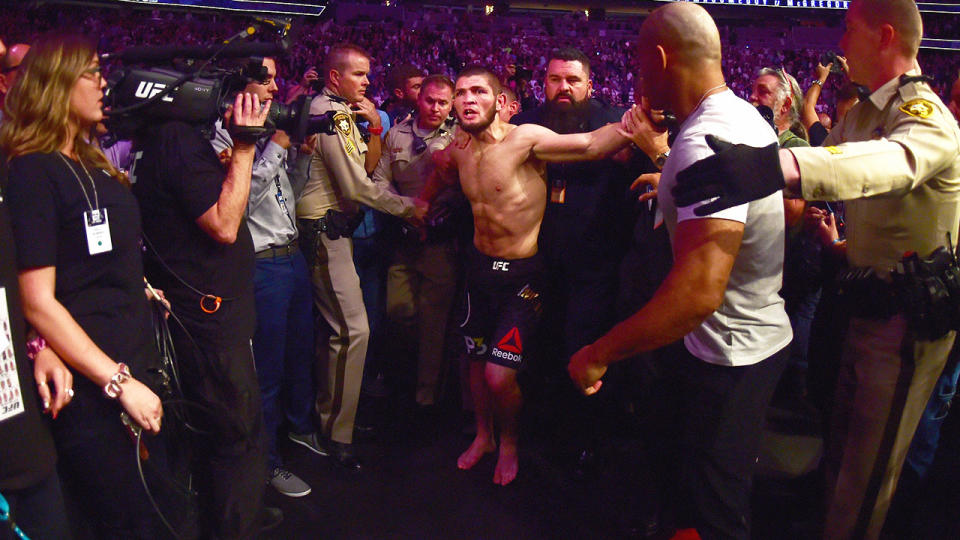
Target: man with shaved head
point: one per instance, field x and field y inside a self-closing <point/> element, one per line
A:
<point x="895" y="161"/>
<point x="720" y="296"/>
<point x="502" y="170"/>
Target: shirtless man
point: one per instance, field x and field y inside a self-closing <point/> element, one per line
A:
<point x="501" y="168"/>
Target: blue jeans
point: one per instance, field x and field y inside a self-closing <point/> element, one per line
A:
<point x="283" y="345"/>
<point x="370" y="259"/>
<point x="926" y="439"/>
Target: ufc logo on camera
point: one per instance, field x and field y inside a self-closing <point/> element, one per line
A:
<point x="147" y="89"/>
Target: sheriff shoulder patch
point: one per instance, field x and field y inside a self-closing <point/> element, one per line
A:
<point x="342" y="123"/>
<point x="919" y="107"/>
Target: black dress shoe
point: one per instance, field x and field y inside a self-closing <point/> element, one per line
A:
<point x="270" y="518"/>
<point x="344" y="455"/>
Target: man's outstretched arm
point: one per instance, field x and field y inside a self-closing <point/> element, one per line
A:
<point x="553" y="147"/>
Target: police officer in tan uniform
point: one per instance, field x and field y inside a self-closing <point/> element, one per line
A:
<point x="326" y="212"/>
<point x="895" y="160"/>
<point x="421" y="280"/>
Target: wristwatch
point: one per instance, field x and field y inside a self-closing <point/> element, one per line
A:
<point x="661" y="159"/>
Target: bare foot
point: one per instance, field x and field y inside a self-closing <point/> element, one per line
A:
<point x="507" y="465"/>
<point x="480" y="446"/>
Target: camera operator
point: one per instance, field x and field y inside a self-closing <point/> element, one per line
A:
<point x="328" y="212"/>
<point x="283" y="342"/>
<point x="199" y="249"/>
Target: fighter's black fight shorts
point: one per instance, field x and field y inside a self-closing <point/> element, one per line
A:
<point x="501" y="307"/>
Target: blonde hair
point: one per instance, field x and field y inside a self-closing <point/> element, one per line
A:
<point x="36" y="110"/>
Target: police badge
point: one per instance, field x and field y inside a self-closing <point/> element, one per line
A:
<point x="920" y="108"/>
<point x="342" y="123"/>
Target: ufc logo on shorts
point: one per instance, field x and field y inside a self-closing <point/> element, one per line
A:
<point x="503" y="266"/>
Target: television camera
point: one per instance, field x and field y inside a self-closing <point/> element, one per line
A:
<point x="182" y="83"/>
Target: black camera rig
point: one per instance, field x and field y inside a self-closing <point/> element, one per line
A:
<point x="182" y="84"/>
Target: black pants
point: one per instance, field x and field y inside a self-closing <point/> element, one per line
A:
<point x="38" y="510"/>
<point x="231" y="457"/>
<point x="713" y="435"/>
<point x="97" y="462"/>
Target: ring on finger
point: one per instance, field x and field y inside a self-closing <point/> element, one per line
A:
<point x="70" y="392"/>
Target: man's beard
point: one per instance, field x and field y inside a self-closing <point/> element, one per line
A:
<point x="483" y="124"/>
<point x="570" y="118"/>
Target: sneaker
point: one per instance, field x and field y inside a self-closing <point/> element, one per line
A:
<point x="288" y="483"/>
<point x="309" y="440"/>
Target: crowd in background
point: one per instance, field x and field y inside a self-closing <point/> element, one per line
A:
<point x="518" y="48"/>
<point x="443" y="40"/>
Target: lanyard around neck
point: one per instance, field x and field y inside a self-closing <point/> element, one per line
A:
<point x="96" y="199"/>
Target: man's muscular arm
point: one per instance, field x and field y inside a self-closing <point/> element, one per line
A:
<point x="597" y="144"/>
<point x="222" y="220"/>
<point x="694" y="288"/>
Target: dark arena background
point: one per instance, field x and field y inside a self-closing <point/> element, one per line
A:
<point x="410" y="486"/>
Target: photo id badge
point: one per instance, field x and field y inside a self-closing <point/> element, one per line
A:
<point x="98" y="231"/>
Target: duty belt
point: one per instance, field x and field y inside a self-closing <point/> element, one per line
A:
<point x="926" y="291"/>
<point x="866" y="295"/>
<point x="335" y="224"/>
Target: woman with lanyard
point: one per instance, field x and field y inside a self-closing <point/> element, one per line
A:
<point x="77" y="230"/>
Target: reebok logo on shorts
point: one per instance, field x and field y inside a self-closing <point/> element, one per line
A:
<point x="509" y="347"/>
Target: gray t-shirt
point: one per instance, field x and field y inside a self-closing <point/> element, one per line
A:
<point x="751" y="323"/>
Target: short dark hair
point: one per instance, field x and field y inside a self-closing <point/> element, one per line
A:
<point x="338" y="54"/>
<point x="511" y="95"/>
<point x="437" y="80"/>
<point x="477" y="69"/>
<point x="570" y="54"/>
<point x="902" y="15"/>
<point x="400" y="74"/>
